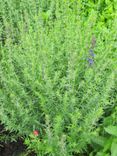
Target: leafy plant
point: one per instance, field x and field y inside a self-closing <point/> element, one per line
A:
<point x="105" y="142"/>
<point x="57" y="73"/>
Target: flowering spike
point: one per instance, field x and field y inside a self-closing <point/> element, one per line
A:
<point x="92" y="52"/>
<point x="90" y="61"/>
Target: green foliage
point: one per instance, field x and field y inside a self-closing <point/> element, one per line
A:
<point x="105" y="141"/>
<point x="106" y="10"/>
<point x="52" y="143"/>
<point x="111" y="130"/>
<point x="50" y="79"/>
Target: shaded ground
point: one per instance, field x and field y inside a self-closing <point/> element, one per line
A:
<point x="12" y="148"/>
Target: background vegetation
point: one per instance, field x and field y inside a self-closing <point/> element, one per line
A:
<point x="58" y="75"/>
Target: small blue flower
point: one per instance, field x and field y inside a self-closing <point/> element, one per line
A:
<point x="92" y="52"/>
<point x="91" y="62"/>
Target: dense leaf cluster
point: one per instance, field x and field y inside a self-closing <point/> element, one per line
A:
<point x="58" y="64"/>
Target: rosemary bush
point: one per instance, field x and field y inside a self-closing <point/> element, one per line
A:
<point x="57" y="73"/>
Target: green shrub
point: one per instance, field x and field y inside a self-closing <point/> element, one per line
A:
<point x="105" y="141"/>
<point x="58" y="77"/>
